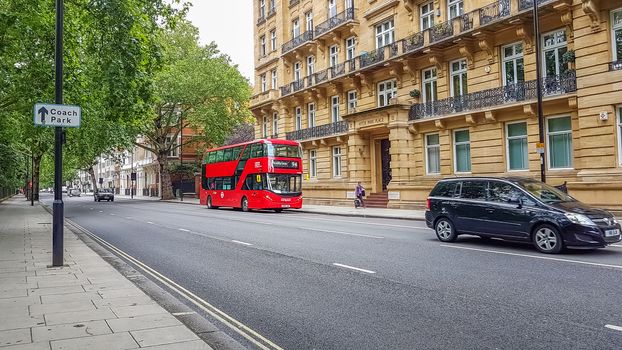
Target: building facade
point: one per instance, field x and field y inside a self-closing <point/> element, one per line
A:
<point x="398" y="94"/>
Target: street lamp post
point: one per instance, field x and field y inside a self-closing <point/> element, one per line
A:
<point x="540" y="148"/>
<point x="58" y="206"/>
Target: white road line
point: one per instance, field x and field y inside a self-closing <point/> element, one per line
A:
<point x="112" y="214"/>
<point x="184" y="230"/>
<point x="101" y="211"/>
<point x="355" y="222"/>
<point x="534" y="256"/>
<point x="615" y="328"/>
<point x="91" y="208"/>
<point x="240" y="242"/>
<point x="354" y="268"/>
<point x="183" y="313"/>
<point x="128" y="217"/>
<point x="150" y="223"/>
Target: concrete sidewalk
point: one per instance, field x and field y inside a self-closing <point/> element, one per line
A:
<point x="407" y="214"/>
<point x="86" y="304"/>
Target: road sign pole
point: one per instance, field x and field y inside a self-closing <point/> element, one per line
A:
<point x="536" y="29"/>
<point x="58" y="206"/>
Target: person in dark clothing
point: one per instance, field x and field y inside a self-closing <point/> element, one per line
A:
<point x="359" y="192"/>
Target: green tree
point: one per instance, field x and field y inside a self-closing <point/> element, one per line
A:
<point x="198" y="88"/>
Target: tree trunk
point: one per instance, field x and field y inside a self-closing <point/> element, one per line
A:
<point x="93" y="179"/>
<point x="165" y="178"/>
<point x="35" y="177"/>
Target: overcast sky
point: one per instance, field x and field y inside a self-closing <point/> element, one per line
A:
<point x="229" y="24"/>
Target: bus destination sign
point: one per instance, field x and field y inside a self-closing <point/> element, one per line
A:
<point x="285" y="164"/>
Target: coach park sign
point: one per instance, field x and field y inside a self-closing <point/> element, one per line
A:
<point x="66" y="116"/>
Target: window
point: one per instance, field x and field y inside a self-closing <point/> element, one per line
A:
<point x="334" y="56"/>
<point x="275" y="124"/>
<point x="295" y="28"/>
<point x="462" y="151"/>
<point x="334" y="110"/>
<point x="313" y="163"/>
<point x="386" y="91"/>
<point x="262" y="46"/>
<point x="332" y="8"/>
<point x="297" y="71"/>
<point x="433" y="154"/>
<point x="272" y="5"/>
<point x="309" y="20"/>
<point x="262" y="8"/>
<point x="384" y="34"/>
<point x="619" y="119"/>
<point x="429" y="85"/>
<point x="263" y="83"/>
<point x="298" y="113"/>
<point x="458" y="73"/>
<point x="174" y="149"/>
<point x="455" y="8"/>
<point x="554" y="45"/>
<point x="518" y="155"/>
<point x="350" y="48"/>
<point x="446" y="189"/>
<point x="474" y="190"/>
<point x="349" y="4"/>
<point x="265" y="126"/>
<point x="513" y="67"/>
<point x="506" y="193"/>
<point x="616" y="34"/>
<point x="351" y="101"/>
<point x="337" y="161"/>
<point x="310" y="65"/>
<point x="311" y="114"/>
<point x="426" y="14"/>
<point x="273" y="40"/>
<point x="274" y="79"/>
<point x="559" y="137"/>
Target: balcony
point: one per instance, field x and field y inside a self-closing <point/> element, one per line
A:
<point x="293" y="2"/>
<point x="334" y="22"/>
<point x="494" y="11"/>
<point x="297" y="41"/>
<point x="271" y="12"/>
<point x="261" y="20"/>
<point x="413" y="43"/>
<point x="263" y="98"/>
<point x="442" y="31"/>
<point x="292" y="87"/>
<point x="527" y="4"/>
<point x="486" y="99"/>
<point x="337" y="128"/>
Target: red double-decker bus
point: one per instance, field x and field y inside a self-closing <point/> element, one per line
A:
<point x="261" y="174"/>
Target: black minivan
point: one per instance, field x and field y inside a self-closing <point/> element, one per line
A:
<point x="519" y="209"/>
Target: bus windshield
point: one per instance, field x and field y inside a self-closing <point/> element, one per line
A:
<point x="285" y="183"/>
<point x="284" y="151"/>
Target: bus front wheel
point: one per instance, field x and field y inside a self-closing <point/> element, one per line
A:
<point x="209" y="203"/>
<point x="244" y="204"/>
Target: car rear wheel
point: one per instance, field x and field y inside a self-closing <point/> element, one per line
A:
<point x="209" y="203"/>
<point x="445" y="231"/>
<point x="244" y="204"/>
<point x="547" y="239"/>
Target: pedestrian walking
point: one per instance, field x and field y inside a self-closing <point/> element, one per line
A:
<point x="359" y="192"/>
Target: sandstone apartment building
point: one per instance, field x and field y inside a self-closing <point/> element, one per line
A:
<point x="398" y="94"/>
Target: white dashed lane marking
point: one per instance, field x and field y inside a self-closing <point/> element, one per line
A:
<point x="240" y="242"/>
<point x="615" y="328"/>
<point x="353" y="268"/>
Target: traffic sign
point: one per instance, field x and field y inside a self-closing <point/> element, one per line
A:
<point x="67" y="116"/>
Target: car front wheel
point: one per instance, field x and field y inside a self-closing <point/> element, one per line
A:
<point x="547" y="239"/>
<point x="445" y="231"/>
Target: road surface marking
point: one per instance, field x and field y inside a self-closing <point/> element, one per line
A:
<point x="240" y="328"/>
<point x="535" y="256"/>
<point x="615" y="328"/>
<point x="101" y="211"/>
<point x="240" y="242"/>
<point x="353" y="268"/>
<point x="91" y="208"/>
<point x="128" y="217"/>
<point x="183" y="313"/>
<point x="616" y="245"/>
<point x="112" y="214"/>
<point x="184" y="230"/>
<point x="150" y="223"/>
<point x="356" y="222"/>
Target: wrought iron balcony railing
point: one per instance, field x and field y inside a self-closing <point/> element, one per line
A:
<point x="527" y="4"/>
<point x="334" y="21"/>
<point x="616" y="65"/>
<point x="494" y="11"/>
<point x="320" y="131"/>
<point x="337" y="70"/>
<point x="297" y="41"/>
<point x="413" y="42"/>
<point x="442" y="31"/>
<point x="271" y="12"/>
<point x="372" y="57"/>
<point x="521" y="91"/>
<point x="466" y="20"/>
<point x="261" y="20"/>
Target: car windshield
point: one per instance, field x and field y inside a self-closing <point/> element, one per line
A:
<point x="546" y="193"/>
<point x="284" y="151"/>
<point x="105" y="190"/>
<point x="285" y="183"/>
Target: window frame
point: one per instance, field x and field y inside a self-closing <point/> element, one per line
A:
<point x="309" y="20"/>
<point x="313" y="163"/>
<point x="297" y="71"/>
<point x="383" y="32"/>
<point x="311" y="114"/>
<point x="265" y="126"/>
<point x="262" y="8"/>
<point x="334" y="108"/>
<point x="507" y="144"/>
<point x="332" y="9"/>
<point x="298" y="118"/>
<point x="548" y="143"/>
<point x="273" y="40"/>
<point x="352" y="99"/>
<point x="427" y="146"/>
<point x="613" y="34"/>
<point x="456" y="4"/>
<point x="427" y="15"/>
<point x="275" y="124"/>
<point x="455" y="148"/>
<point x="262" y="46"/>
<point x="386" y="94"/>
<point x="310" y="65"/>
<point x="556" y="47"/>
<point x="433" y="80"/>
<point x="264" y="83"/>
<point x="274" y="77"/>
<point x="619" y="132"/>
<point x="333" y="55"/>
<point x="295" y="28"/>
<point x="514" y="58"/>
<point x="462" y="73"/>
<point x="350" y="45"/>
<point x="336" y="161"/>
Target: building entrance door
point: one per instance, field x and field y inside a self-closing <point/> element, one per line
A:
<point x="385" y="159"/>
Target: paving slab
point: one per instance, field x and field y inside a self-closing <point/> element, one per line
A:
<point x="167" y="335"/>
<point x="191" y="345"/>
<point x="123" y="301"/>
<point x="71" y="330"/>
<point x="115" y="341"/>
<point x="78" y="316"/>
<point x="138" y="310"/>
<point x="142" y="322"/>
<point x="15" y="337"/>
<point x="80" y="305"/>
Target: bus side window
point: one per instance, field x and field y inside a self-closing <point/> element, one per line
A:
<point x="226" y="183"/>
<point x="218" y="183"/>
<point x="219" y="155"/>
<point x="247" y="152"/>
<point x="211" y="183"/>
<point x="258" y="182"/>
<point x="257" y="150"/>
<point x="211" y="157"/>
<point x="227" y="157"/>
<point x="248" y="182"/>
<point x="236" y="152"/>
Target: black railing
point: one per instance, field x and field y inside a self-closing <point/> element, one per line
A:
<point x="261" y="20"/>
<point x="297" y="41"/>
<point x="337" y="70"/>
<point x="336" y="128"/>
<point x="286" y="89"/>
<point x="522" y="91"/>
<point x="412" y="43"/>
<point x="466" y="20"/>
<point x="616" y="65"/>
<point x="494" y="11"/>
<point x="527" y="4"/>
<point x="319" y="77"/>
<point x="334" y="21"/>
<point x="369" y="58"/>
<point x="441" y="31"/>
<point x="393" y="49"/>
<point x="271" y="12"/>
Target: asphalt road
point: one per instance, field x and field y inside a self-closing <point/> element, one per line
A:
<point x="308" y="281"/>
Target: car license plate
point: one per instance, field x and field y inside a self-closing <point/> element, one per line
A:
<point x="284" y="205"/>
<point x="612" y="233"/>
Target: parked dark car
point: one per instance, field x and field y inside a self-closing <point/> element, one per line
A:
<point x="517" y="209"/>
<point x="104" y="194"/>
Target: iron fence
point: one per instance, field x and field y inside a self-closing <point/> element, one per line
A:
<point x="297" y="41"/>
<point x="334" y="21"/>
<point x="336" y="128"/>
<point x="494" y="11"/>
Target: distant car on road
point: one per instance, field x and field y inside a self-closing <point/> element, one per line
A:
<point x="105" y="194"/>
<point x="73" y="192"/>
<point x="518" y="209"/>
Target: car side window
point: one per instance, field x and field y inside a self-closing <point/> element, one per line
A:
<point x="446" y="189"/>
<point x="474" y="190"/>
<point x="502" y="192"/>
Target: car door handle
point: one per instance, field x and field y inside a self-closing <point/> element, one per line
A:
<point x="490" y="210"/>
